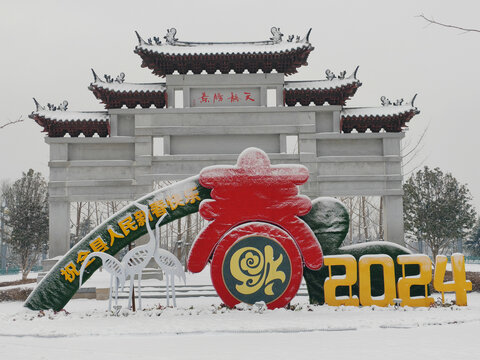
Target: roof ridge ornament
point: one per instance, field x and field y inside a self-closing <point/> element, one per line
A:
<point x="385" y="101"/>
<point x="62" y="107"/>
<point x="119" y="79"/>
<point x="140" y="40"/>
<point x="330" y="75"/>
<point x="399" y="102"/>
<point x="307" y="37"/>
<point x="170" y="37"/>
<point x="342" y="75"/>
<point x="413" y="101"/>
<point x="96" y="78"/>
<point x="38" y="106"/>
<point x="277" y="35"/>
<point x="354" y="74"/>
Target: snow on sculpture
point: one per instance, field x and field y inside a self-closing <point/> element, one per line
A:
<point x="252" y="244"/>
<point x="255" y="236"/>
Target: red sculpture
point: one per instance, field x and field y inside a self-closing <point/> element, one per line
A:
<point x="259" y="203"/>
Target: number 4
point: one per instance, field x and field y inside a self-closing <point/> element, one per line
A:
<point x="460" y="285"/>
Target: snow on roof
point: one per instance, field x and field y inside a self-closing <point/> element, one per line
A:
<point x="378" y="111"/>
<point x="119" y="85"/>
<point x="223" y="48"/>
<point x="174" y="47"/>
<point x="319" y="84"/>
<point x="332" y="82"/>
<point x="130" y="87"/>
<point x="72" y="115"/>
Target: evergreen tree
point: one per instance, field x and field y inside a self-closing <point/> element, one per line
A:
<point x="473" y="244"/>
<point x="27" y="206"/>
<point x="437" y="209"/>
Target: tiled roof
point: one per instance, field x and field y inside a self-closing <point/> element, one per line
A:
<point x="115" y="94"/>
<point x="391" y="118"/>
<point x="284" y="56"/>
<point x="58" y="123"/>
<point x="335" y="91"/>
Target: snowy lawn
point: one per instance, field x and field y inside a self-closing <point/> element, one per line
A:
<point x="199" y="328"/>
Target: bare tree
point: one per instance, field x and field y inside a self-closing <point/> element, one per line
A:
<point x="11" y="122"/>
<point x="366" y="218"/>
<point x="411" y="152"/>
<point x="82" y="220"/>
<point x="434" y="22"/>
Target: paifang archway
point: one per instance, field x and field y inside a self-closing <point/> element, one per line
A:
<point x="218" y="99"/>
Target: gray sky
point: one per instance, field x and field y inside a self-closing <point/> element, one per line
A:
<point x="49" y="47"/>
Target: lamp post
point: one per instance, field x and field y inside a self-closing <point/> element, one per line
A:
<point x="3" y="244"/>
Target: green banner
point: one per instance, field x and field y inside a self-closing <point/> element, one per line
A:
<point x="62" y="282"/>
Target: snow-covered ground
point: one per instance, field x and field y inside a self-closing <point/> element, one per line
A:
<point x="200" y="329"/>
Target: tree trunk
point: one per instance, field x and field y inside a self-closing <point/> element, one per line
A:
<point x="78" y="219"/>
<point x="364" y="218"/>
<point x="435" y="251"/>
<point x="25" y="265"/>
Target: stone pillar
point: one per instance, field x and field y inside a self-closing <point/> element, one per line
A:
<point x="336" y="122"/>
<point x="280" y="96"/>
<point x="393" y="218"/>
<point x="59" y="228"/>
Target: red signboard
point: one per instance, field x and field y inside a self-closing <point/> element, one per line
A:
<point x="214" y="97"/>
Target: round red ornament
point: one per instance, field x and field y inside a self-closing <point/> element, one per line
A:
<point x="257" y="262"/>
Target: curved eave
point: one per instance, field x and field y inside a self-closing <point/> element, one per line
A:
<point x="394" y="122"/>
<point x="116" y="98"/>
<point x="285" y="62"/>
<point x="337" y="95"/>
<point x="73" y="127"/>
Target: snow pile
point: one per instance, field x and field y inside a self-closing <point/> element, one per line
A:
<point x="202" y="315"/>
